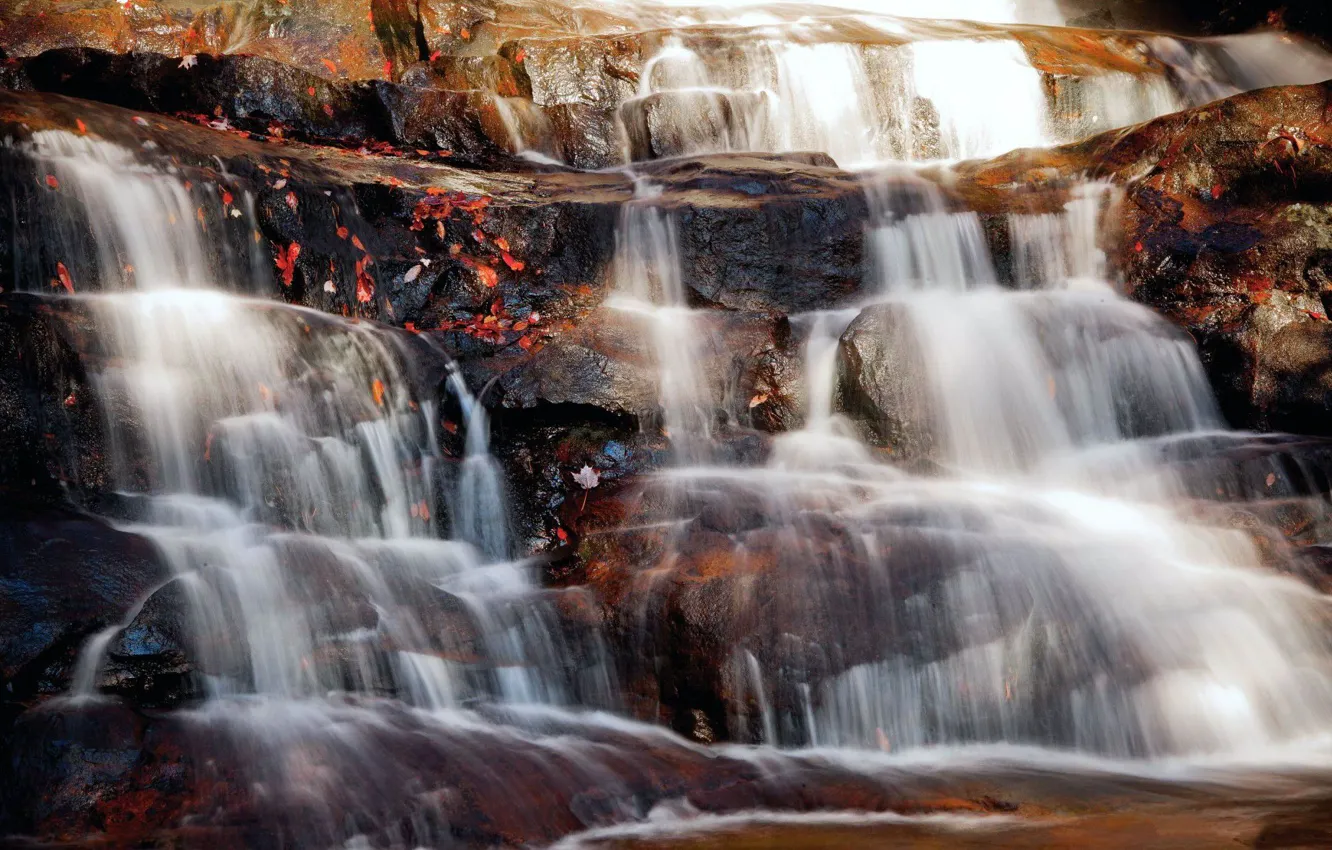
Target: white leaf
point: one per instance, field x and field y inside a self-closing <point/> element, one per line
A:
<point x="281" y="184"/>
<point x="533" y="318"/>
<point x="235" y="213"/>
<point x="587" y="477"/>
<point x="189" y="60"/>
<point x="329" y="287"/>
<point x="412" y="273"/>
<point x="426" y="263"/>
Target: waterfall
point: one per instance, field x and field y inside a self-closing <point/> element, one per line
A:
<point x="284" y="465"/>
<point x="985" y="516"/>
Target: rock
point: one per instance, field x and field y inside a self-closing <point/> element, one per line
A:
<point x="66" y="575"/>
<point x="50" y="425"/>
<point x="881" y="380"/>
<point x="309" y="34"/>
<point x="152" y="660"/>
<point x="106" y="772"/>
<point x="251" y="92"/>
<point x="1219" y="230"/>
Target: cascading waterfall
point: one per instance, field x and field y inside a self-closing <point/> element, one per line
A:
<point x="287" y="469"/>
<point x="1013" y="552"/>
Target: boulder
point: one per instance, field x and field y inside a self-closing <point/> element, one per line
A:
<point x="66" y="575"/>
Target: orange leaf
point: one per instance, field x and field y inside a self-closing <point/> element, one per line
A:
<point x="516" y="265"/>
<point x="501" y="243"/>
<point x="286" y="261"/>
<point x="328" y="63"/>
<point x="65" y="280"/>
<point x="83" y="128"/>
<point x="377" y="389"/>
<point x="52" y="181"/>
<point x="356" y="240"/>
<point x="365" y="284"/>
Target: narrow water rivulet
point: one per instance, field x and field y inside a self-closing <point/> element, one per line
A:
<point x="687" y="531"/>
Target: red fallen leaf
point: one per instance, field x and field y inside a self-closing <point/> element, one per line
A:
<point x="1137" y="246"/>
<point x="292" y="200"/>
<point x="342" y="233"/>
<point x="83" y="128"/>
<point x="562" y="534"/>
<point x="65" y="280"/>
<point x="520" y="325"/>
<point x="328" y="110"/>
<point x="435" y="55"/>
<point x="501" y="243"/>
<point x="71" y="400"/>
<point x="388" y="67"/>
<point x="515" y="265"/>
<point x="451" y="427"/>
<point x="377" y="390"/>
<point x="52" y="181"/>
<point x="226" y="198"/>
<point x="410" y="327"/>
<point x="525" y="342"/>
<point x="1217" y="190"/>
<point x="520" y="55"/>
<point x="286" y="261"/>
<point x="356" y="240"/>
<point x="487" y="274"/>
<point x="310" y="91"/>
<point x="479" y="236"/>
<point x="365" y="284"/>
<point x="328" y="63"/>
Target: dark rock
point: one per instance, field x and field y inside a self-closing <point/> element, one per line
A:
<point x="153" y="659"/>
<point x="66" y="576"/>
<point x="881" y="380"/>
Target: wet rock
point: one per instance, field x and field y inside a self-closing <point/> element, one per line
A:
<point x="251" y="92"/>
<point x="97" y="769"/>
<point x="666" y="124"/>
<point x="1222" y="229"/>
<point x="334" y="38"/>
<point x="773" y="236"/>
<point x="104" y="771"/>
<point x="50" y="427"/>
<point x="151" y="661"/>
<point x="880" y="380"/>
<point x="66" y="575"/>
